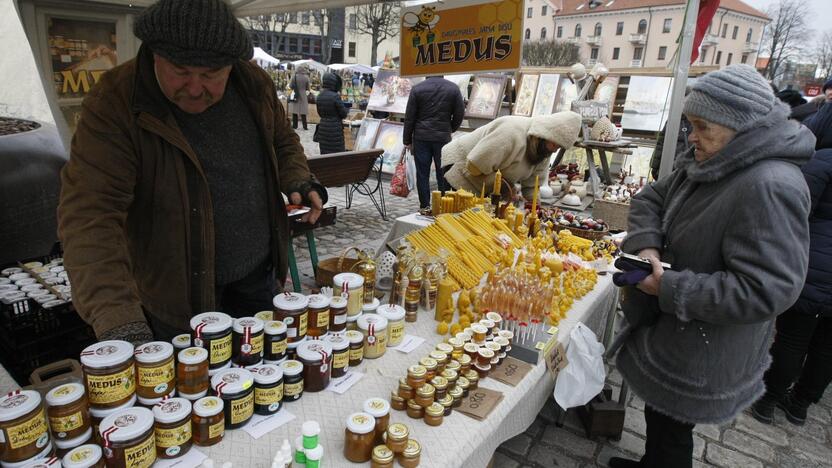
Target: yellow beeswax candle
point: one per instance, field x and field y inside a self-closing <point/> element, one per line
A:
<point x="536" y="191"/>
<point x="443" y="297"/>
<point x="498" y="180"/>
<point x="436" y="202"/>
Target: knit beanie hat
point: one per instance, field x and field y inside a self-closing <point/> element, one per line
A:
<point x="735" y="97"/>
<point x="199" y="33"/>
<point x="826" y="85"/>
<point x="561" y="128"/>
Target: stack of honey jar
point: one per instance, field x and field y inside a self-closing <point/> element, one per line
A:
<point x="369" y="436"/>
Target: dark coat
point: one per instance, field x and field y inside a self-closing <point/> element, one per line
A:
<point x="820" y="123"/>
<point x="804" y="111"/>
<point x="682" y="145"/>
<point x="818" y="288"/>
<point x="330" y="131"/>
<point x="434" y="111"/>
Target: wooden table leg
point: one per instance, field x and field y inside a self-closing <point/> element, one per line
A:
<point x="293" y="267"/>
<point x="313" y="251"/>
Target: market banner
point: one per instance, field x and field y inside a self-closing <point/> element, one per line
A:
<point x="461" y="36"/>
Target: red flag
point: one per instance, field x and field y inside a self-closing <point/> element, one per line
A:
<point x="707" y="10"/>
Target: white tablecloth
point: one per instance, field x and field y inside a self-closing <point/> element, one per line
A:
<point x="404" y="225"/>
<point x="459" y="442"/>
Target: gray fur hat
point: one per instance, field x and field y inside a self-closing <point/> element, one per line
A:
<point x="736" y="97"/>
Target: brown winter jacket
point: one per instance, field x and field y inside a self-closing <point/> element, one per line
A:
<point x="135" y="215"/>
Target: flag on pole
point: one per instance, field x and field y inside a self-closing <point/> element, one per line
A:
<point x="707" y="10"/>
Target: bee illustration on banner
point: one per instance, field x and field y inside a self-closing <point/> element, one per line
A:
<point x="425" y="20"/>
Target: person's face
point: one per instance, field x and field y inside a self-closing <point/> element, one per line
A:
<point x="192" y="89"/>
<point x="708" y="138"/>
<point x="551" y="146"/>
<point x="828" y="94"/>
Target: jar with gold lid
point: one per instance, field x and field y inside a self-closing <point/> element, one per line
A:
<point x="482" y="370"/>
<point x="396" y="437"/>
<point x="479" y="331"/>
<point x="374" y="328"/>
<point x="453" y="365"/>
<point x="318" y="321"/>
<point x="155" y="371"/>
<point x="416" y="376"/>
<point x="415" y="410"/>
<point x="430" y="366"/>
<point x="337" y="314"/>
<point x="212" y="331"/>
<point x="247" y="341"/>
<point x="383" y="457"/>
<point x="274" y="342"/>
<point x="496" y="318"/>
<point x="379" y="409"/>
<point x="463" y="383"/>
<point x="412" y="454"/>
<point x="23" y="427"/>
<point x="450" y="376"/>
<point x="441" y="385"/>
<point x="265" y="315"/>
<point x="173" y="432"/>
<point x="484" y="357"/>
<point x="181" y="342"/>
<point x="192" y="373"/>
<point x="493" y="346"/>
<point x="425" y="395"/>
<point x="356" y="339"/>
<point x="359" y="437"/>
<point x="465" y="363"/>
<point x="434" y="414"/>
<point x="473" y="379"/>
<point x="445" y="348"/>
<point x="109" y="373"/>
<point x="507" y="334"/>
<point x="464" y="336"/>
<point x="397" y="402"/>
<point x="448" y="404"/>
<point x="503" y="342"/>
<point x="367" y="270"/>
<point x="458" y="346"/>
<point x="128" y="438"/>
<point x="456" y="394"/>
<point x="440" y="358"/>
<point x="405" y="390"/>
<point x="395" y="323"/>
<point x="67" y="411"/>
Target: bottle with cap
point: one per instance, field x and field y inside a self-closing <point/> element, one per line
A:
<point x="311" y="431"/>
<point x="314" y="457"/>
<point x="300" y="454"/>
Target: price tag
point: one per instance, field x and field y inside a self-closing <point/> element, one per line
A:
<point x="539" y="346"/>
<point x="552" y="330"/>
<point x="479" y="403"/>
<point x="511" y="371"/>
<point x="258" y="425"/>
<point x="409" y="343"/>
<point x="193" y="458"/>
<point x="556" y="359"/>
<point x="342" y="385"/>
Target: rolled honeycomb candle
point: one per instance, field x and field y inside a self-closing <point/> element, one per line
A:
<point x="436" y="202"/>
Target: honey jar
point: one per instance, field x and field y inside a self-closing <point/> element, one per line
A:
<point x="268" y="389"/>
<point x="473" y="379"/>
<point x="507" y="334"/>
<point x="434" y="414"/>
<point x="445" y="348"/>
<point x="371" y="307"/>
<point x="192" y="380"/>
<point x="236" y="388"/>
<point x="340" y="355"/>
<point x="85" y="456"/>
<point x="447" y="404"/>
<point x="359" y="437"/>
<point x="453" y="365"/>
<point x="23" y="427"/>
<point x="405" y="390"/>
<point x="155" y="372"/>
<point x="451" y="376"/>
<point x="374" y="328"/>
<point x="291" y="309"/>
<point x="274" y="344"/>
<point x="425" y="395"/>
<point x="356" y="339"/>
<point x="128" y="438"/>
<point x="416" y="376"/>
<point x="382" y="457"/>
<point x="482" y="370"/>
<point x="316" y="356"/>
<point x="354" y="285"/>
<point x="440" y="384"/>
<point x="367" y="270"/>
<point x="495" y="347"/>
<point x="412" y="454"/>
<point x="503" y="342"/>
<point x="471" y="350"/>
<point x="397" y="403"/>
<point x="440" y="358"/>
<point x="430" y="365"/>
<point x="337" y="314"/>
<point x="489" y="325"/>
<point x="396" y="437"/>
<point x="265" y="315"/>
<point x="479" y="331"/>
<point x="456" y="394"/>
<point x="181" y="342"/>
<point x="395" y="323"/>
<point x="247" y="341"/>
<point x="208" y="421"/>
<point x="465" y="363"/>
<point x="68" y="413"/>
<point x="484" y="357"/>
<point x="292" y="379"/>
<point x="318" y="315"/>
<point x="463" y="383"/>
<point x="172" y="431"/>
<point x="212" y="331"/>
<point x="415" y="410"/>
<point x="98" y="415"/>
<point x="109" y="373"/>
<point x="457" y="345"/>
<point x="379" y="409"/>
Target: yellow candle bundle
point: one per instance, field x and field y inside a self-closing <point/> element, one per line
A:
<point x="443" y="297"/>
<point x="498" y="180"/>
<point x="436" y="202"/>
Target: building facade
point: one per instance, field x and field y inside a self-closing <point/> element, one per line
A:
<point x="644" y="33"/>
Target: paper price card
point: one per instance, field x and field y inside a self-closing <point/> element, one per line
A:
<point x="479" y="403"/>
<point x="555" y="359"/>
<point x="511" y="371"/>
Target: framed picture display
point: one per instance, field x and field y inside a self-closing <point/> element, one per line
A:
<point x="606" y="91"/>
<point x="389" y="137"/>
<point x="547" y="91"/>
<point x="525" y="95"/>
<point x="647" y="104"/>
<point x="567" y="93"/>
<point x="391" y="92"/>
<point x="486" y="96"/>
<point x="462" y="82"/>
<point x="366" y="134"/>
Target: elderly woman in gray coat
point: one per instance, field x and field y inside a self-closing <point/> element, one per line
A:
<point x="732" y="222"/>
<point x="300" y="106"/>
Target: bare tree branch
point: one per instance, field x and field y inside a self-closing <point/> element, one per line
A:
<point x="380" y="21"/>
<point x="823" y="55"/>
<point x="550" y="53"/>
<point x="260" y="26"/>
<point x="787" y="35"/>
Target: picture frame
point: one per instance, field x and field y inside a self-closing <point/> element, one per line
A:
<point x="366" y="134"/>
<point x="486" y="96"/>
<point x="606" y="92"/>
<point x="547" y="92"/>
<point x="524" y="104"/>
<point x="391" y="92"/>
<point x="390" y="138"/>
<point x="647" y="104"/>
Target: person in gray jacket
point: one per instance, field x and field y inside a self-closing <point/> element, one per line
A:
<point x="732" y="220"/>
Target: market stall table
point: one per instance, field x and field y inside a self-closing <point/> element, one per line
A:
<point x="402" y="226"/>
<point x="460" y="441"/>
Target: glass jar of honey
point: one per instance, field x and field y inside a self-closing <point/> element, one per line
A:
<point x="441" y="385"/>
<point x="374" y="328"/>
<point x="456" y="394"/>
<point x="397" y="403"/>
<point x="340" y="355"/>
<point x="318" y="316"/>
<point x="292" y="379"/>
<point x="434" y="414"/>
<point x="405" y="390"/>
<point x="247" y="341"/>
<point x="268" y="389"/>
<point x="430" y="365"/>
<point x="212" y="331"/>
<point x="359" y="437"/>
<point x="395" y="323"/>
<point x="416" y="375"/>
<point x="192" y="373"/>
<point x="68" y="413"/>
<point x="412" y="454"/>
<point x="471" y="350"/>
<point x="453" y="365"/>
<point x="316" y="356"/>
<point x="337" y="314"/>
<point x="85" y="456"/>
<point x="173" y="432"/>
<point x="448" y="404"/>
<point x="396" y="437"/>
<point x="109" y="373"/>
<point x="128" y="438"/>
<point x="371" y="307"/>
<point x="23" y="428"/>
<point x="382" y="457"/>
<point x="208" y="421"/>
<point x="379" y="409"/>
<point x="425" y="395"/>
<point x="450" y="376"/>
<point x="353" y="284"/>
<point x="463" y="383"/>
<point x="473" y="379"/>
<point x="274" y="344"/>
<point x="415" y="410"/>
<point x="155" y="371"/>
<point x="181" y="342"/>
<point x="98" y="415"/>
<point x="236" y="388"/>
<point x="440" y="358"/>
<point x="465" y="363"/>
<point x="356" y="339"/>
<point x="291" y="309"/>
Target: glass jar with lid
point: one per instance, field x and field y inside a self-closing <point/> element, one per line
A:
<point x="292" y="379"/>
<point x="23" y="427"/>
<point x="340" y="355"/>
<point x="396" y="437"/>
<point x="456" y="394"/>
<point x="236" y="388"/>
<point x="453" y="365"/>
<point x="180" y="342"/>
<point x="473" y="379"/>
<point x="397" y="403"/>
<point x="192" y="373"/>
<point x="450" y="376"/>
<point x="318" y="310"/>
<point x="379" y="409"/>
<point x="274" y="345"/>
<point x="430" y="365"/>
<point x="85" y="456"/>
<point x="440" y="358"/>
<point x="98" y="415"/>
<point x="415" y="410"/>
<point x="395" y="323"/>
<point x="208" y="421"/>
<point x="374" y="328"/>
<point x="155" y="371"/>
<point x="128" y="438"/>
<point x="416" y="375"/>
<point x="371" y="307"/>
<point x="383" y="457"/>
<point x="412" y="454"/>
<point x="405" y="390"/>
<point x="337" y="314"/>
<point x="109" y="373"/>
<point x="247" y="341"/>
<point x="465" y="362"/>
<point x="425" y="395"/>
<point x="441" y="385"/>
<point x="268" y="389"/>
<point x="172" y="431"/>
<point x="316" y="356"/>
<point x="212" y="331"/>
<point x="356" y="339"/>
<point x="448" y="404"/>
<point x="463" y="383"/>
<point x="359" y="437"/>
<point x="265" y="315"/>
<point x="291" y="309"/>
<point x="68" y="411"/>
<point x="353" y="283"/>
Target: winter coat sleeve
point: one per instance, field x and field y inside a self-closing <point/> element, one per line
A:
<point x="97" y="189"/>
<point x="410" y="113"/>
<point x="820" y="123"/>
<point x="766" y="256"/>
<point x="818" y="173"/>
<point x="645" y="219"/>
<point x="496" y="148"/>
<point x="340" y="109"/>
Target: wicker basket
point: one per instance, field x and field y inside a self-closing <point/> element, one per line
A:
<point x="590" y="234"/>
<point x="613" y="213"/>
<point x="329" y="267"/>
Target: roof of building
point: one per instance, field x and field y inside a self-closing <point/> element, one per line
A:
<point x="579" y="7"/>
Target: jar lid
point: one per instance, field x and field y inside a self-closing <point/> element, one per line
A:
<point x="453" y="365"/>
<point x="275" y="327"/>
<point x="447" y="400"/>
<point x="181" y="341"/>
<point x="318" y="301"/>
<point x="18" y="403"/>
<point x="471" y="347"/>
<point x="290" y="301"/>
<point x="338" y="342"/>
<point x="266" y="374"/>
<point x="315" y="454"/>
<point x="485" y="353"/>
<point x="310" y="428"/>
<point x="255" y="325"/>
<point x="372" y="307"/>
<point x="291" y="367"/>
<point x="11" y="271"/>
<point x="314" y="351"/>
<point x="106" y="353"/>
<point x="395" y="397"/>
<point x="84" y="456"/>
<point x="265" y="315"/>
<point x="484" y="368"/>
<point x="472" y="375"/>
<point x="378" y="322"/>
<point x="439" y="382"/>
<point x="413" y="448"/>
<point x="293" y="346"/>
<point x="463" y="382"/>
<point x="411" y="403"/>
<point x="65" y="394"/>
<point x="403" y="384"/>
<point x="208" y="406"/>
<point x="487" y="323"/>
<point x="417" y="370"/>
<point x="154" y="351"/>
<point x="426" y="390"/>
<point x="231" y="381"/>
<point x="353" y="280"/>
<point x="355" y="336"/>
<point x="449" y="374"/>
<point x="193" y="355"/>
<point x="438" y="356"/>
<point x="456" y="342"/>
<point x="103" y="413"/>
<point x="211" y="322"/>
<point x="338" y="302"/>
<point x="377" y="407"/>
<point x="391" y="312"/>
<point x="507" y="334"/>
<point x="494" y="317"/>
<point x="464" y="360"/>
<point x="445" y="348"/>
<point x="464" y="336"/>
<point x="354" y="318"/>
<point x="361" y="423"/>
<point x="493" y="346"/>
<point x="428" y="363"/>
<point x="397" y="431"/>
<point x="502" y="341"/>
<point x="172" y="410"/>
<point x="126" y="424"/>
<point x="435" y="409"/>
<point x="382" y="455"/>
<point x="456" y="392"/>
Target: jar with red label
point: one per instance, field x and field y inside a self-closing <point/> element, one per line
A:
<point x="236" y="388"/>
<point x="291" y="309"/>
<point x="316" y="356"/>
<point x="318" y="310"/>
<point x="337" y="314"/>
<point x="212" y="331"/>
<point x="247" y="341"/>
<point x="374" y="328"/>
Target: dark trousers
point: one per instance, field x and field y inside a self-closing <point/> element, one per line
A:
<point x="669" y="442"/>
<point x="295" y="121"/>
<point x="426" y="153"/>
<point x="802" y="352"/>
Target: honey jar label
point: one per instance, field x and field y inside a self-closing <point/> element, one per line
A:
<point x="304" y="318"/>
<point x="63" y="424"/>
<point x="242" y="408"/>
<point x="293" y="389"/>
<point x="279" y="347"/>
<point x="267" y="396"/>
<point x="256" y="346"/>
<point x="356" y="354"/>
<point x="396" y="332"/>
<point x="153" y="377"/>
<point x="216" y="430"/>
<point x="31" y="431"/>
<point x="323" y="319"/>
<point x="104" y="389"/>
<point x="142" y="455"/>
<point x="173" y="437"/>
<point x="339" y="319"/>
<point x="340" y="360"/>
<point x="220" y="351"/>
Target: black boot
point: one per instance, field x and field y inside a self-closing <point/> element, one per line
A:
<point x="295" y="121"/>
<point x="618" y="462"/>
<point x="303" y="119"/>
<point x="763" y="409"/>
<point x="795" y="408"/>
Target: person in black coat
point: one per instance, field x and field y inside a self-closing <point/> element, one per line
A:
<point x="329" y="133"/>
<point x="802" y="350"/>
<point x="434" y="111"/>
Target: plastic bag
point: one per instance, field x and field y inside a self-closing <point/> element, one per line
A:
<point x="411" y="171"/>
<point x="583" y="377"/>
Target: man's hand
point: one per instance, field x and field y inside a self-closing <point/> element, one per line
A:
<point x="409" y="148"/>
<point x="316" y="205"/>
<point x="652" y="283"/>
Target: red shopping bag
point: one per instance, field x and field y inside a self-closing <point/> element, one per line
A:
<point x="398" y="184"/>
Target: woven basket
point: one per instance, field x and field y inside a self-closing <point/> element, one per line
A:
<point x="329" y="267"/>
<point x="590" y="234"/>
<point x="613" y="213"/>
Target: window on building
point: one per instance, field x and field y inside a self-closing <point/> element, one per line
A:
<point x="615" y="52"/>
<point x="668" y="22"/>
<point x="293" y="17"/>
<point x="543" y="33"/>
<point x="529" y="12"/>
<point x="736" y="31"/>
<point x="597" y="29"/>
<point x="528" y="33"/>
<point x="619" y="28"/>
<point x="353" y="21"/>
<point x="744" y="58"/>
<point x="351" y="49"/>
<point x="728" y="62"/>
<point x="293" y="44"/>
<point x="642" y="27"/>
<point x="316" y="46"/>
<point x="637" y="53"/>
<point x="317" y="17"/>
<point x="543" y="10"/>
<point x="304" y="17"/>
<point x="718" y="56"/>
<point x="305" y="45"/>
<point x="702" y="55"/>
<point x="281" y="17"/>
<point x="577" y="30"/>
<point x="593" y="53"/>
<point x="559" y="33"/>
<point x="724" y="30"/>
<point x="662" y="52"/>
<point x="748" y="34"/>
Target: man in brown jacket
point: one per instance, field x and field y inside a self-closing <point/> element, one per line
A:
<point x="171" y="202"/>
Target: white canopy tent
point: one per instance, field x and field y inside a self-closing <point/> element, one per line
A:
<point x="317" y="66"/>
<point x="354" y="67"/>
<point x="263" y="58"/>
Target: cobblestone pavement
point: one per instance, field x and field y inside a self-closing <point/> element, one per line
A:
<point x="744" y="443"/>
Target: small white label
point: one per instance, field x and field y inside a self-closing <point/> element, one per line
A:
<point x="161" y="388"/>
<point x="340" y="319"/>
<point x="42" y="441"/>
<point x="198" y="342"/>
<point x="172" y="451"/>
<point x="259" y="425"/>
<point x="343" y="384"/>
<point x="409" y="343"/>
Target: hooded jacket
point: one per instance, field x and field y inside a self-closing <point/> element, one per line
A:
<point x="735" y="230"/>
<point x="330" y="133"/>
<point x="501" y="145"/>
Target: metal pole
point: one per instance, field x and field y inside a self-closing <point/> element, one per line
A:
<point x="678" y="95"/>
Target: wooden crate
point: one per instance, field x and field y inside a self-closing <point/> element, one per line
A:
<point x="613" y="213"/>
